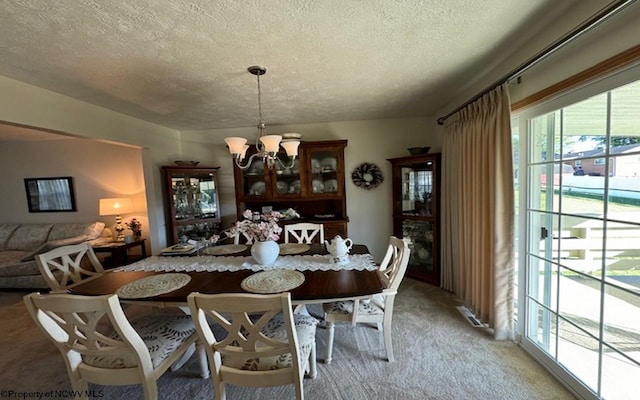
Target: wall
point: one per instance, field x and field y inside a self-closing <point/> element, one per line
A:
<point x="369" y="211"/>
<point x="99" y="170"/>
<point x="62" y="114"/>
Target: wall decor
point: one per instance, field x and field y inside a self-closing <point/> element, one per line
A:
<point x="50" y="194"/>
<point x="367" y="176"/>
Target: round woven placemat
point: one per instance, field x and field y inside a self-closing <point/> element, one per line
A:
<point x="273" y="281"/>
<point x="153" y="285"/>
<point x="224" y="249"/>
<point x="293" y="248"/>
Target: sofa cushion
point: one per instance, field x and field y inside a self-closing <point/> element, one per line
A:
<point x="28" y="237"/>
<point x="6" y="230"/>
<point x="52" y="244"/>
<point x="64" y="231"/>
<point x="10" y="264"/>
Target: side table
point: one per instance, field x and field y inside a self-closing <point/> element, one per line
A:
<point x="119" y="253"/>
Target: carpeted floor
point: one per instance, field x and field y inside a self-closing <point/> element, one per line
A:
<point x="439" y="356"/>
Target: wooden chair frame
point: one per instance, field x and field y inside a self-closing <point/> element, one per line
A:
<point x="391" y="272"/>
<point x="304" y="232"/>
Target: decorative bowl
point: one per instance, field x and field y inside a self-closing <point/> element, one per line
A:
<point x="181" y="163"/>
<point x="414" y="151"/>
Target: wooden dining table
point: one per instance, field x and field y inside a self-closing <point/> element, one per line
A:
<point x="319" y="286"/>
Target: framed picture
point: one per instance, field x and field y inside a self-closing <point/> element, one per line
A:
<point x="50" y="194"/>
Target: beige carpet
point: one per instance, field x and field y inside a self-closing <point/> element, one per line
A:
<point x="439" y="356"/>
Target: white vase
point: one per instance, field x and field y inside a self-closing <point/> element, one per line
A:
<point x="266" y="252"/>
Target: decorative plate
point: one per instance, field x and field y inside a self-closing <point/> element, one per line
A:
<point x="367" y="176"/>
<point x="224" y="249"/>
<point x="317" y="186"/>
<point x="272" y="281"/>
<point x="293" y="248"/>
<point x="257" y="189"/>
<point x="153" y="285"/>
<point x="282" y="187"/>
<point x="331" y="186"/>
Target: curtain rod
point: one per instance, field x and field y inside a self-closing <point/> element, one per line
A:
<point x="610" y="10"/>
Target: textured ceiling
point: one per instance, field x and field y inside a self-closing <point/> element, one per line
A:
<point x="182" y="64"/>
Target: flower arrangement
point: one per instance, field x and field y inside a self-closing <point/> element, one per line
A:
<point x="134" y="225"/>
<point x="258" y="227"/>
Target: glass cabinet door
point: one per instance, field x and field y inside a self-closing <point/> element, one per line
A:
<point x="287" y="179"/>
<point x="416" y="215"/>
<point x="323" y="165"/>
<point x="417" y="189"/>
<point x="254" y="183"/>
<point x="193" y="205"/>
<point x="419" y="235"/>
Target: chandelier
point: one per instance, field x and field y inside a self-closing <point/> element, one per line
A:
<point x="267" y="146"/>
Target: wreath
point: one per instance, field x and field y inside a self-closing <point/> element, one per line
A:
<point x="367" y="176"/>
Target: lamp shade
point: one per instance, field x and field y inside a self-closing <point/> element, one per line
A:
<point x="235" y="144"/>
<point x="271" y="142"/>
<point x="291" y="147"/>
<point x="116" y="206"/>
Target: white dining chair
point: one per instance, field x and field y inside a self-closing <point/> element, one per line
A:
<point x="100" y="345"/>
<point x="379" y="308"/>
<point x="304" y="232"/>
<point x="255" y="341"/>
<point x="67" y="266"/>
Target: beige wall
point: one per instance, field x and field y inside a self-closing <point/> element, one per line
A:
<point x="99" y="170"/>
<point x="369" y="211"/>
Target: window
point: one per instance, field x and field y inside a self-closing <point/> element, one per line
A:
<point x="578" y="252"/>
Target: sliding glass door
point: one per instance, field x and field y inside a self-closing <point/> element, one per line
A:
<point x="579" y="255"/>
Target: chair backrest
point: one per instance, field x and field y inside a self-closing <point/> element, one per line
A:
<point x="239" y="345"/>
<point x="67" y="266"/>
<point x="394" y="264"/>
<point x="75" y="324"/>
<point x="239" y="235"/>
<point x="304" y="232"/>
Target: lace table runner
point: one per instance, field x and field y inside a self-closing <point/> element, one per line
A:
<point x="152" y="286"/>
<point x="273" y="281"/>
<point x="316" y="262"/>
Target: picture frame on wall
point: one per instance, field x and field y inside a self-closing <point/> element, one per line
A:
<point x="50" y="194"/>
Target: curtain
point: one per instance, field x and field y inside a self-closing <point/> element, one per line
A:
<point x="478" y="210"/>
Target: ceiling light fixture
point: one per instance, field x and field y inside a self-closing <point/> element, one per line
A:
<point x="267" y="146"/>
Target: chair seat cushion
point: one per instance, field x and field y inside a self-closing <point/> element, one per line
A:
<point x="346" y="307"/>
<point x="306" y="331"/>
<point x="162" y="334"/>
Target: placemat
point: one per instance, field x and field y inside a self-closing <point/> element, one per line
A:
<point x="224" y="249"/>
<point x="293" y="248"/>
<point x="273" y="281"/>
<point x="153" y="285"/>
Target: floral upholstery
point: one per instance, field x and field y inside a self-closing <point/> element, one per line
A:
<point x="372" y="307"/>
<point x="306" y="331"/>
<point x="162" y="334"/>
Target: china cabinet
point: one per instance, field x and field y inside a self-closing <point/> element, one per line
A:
<point x="193" y="207"/>
<point x="314" y="186"/>
<point x="416" y="212"/>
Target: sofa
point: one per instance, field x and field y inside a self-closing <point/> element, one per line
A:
<point x="19" y="243"/>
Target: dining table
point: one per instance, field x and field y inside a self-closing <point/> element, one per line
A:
<point x="213" y="270"/>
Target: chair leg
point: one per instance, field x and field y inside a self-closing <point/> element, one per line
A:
<point x="150" y="388"/>
<point x="329" y="327"/>
<point x="220" y="391"/>
<point x="202" y="359"/>
<point x="313" y="371"/>
<point x="184" y="358"/>
<point x="81" y="387"/>
<point x="386" y="331"/>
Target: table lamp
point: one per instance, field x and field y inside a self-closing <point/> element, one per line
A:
<point x="116" y="206"/>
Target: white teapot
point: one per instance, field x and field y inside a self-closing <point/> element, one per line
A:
<point x="339" y="249"/>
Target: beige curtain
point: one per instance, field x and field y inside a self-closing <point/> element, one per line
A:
<point x="478" y="210"/>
